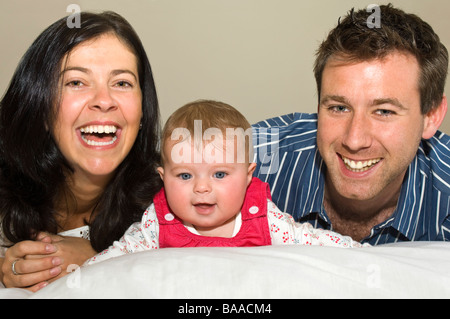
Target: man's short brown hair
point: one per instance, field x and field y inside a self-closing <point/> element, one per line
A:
<point x="354" y="40"/>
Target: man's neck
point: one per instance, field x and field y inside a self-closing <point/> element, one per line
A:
<point x="357" y="218"/>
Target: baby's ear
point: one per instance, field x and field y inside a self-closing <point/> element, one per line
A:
<point x="160" y="170"/>
<point x="251" y="169"/>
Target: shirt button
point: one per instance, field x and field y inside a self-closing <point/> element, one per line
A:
<point x="253" y="209"/>
<point x="169" y="217"/>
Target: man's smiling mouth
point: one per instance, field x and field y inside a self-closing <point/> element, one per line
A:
<point x="360" y="166"/>
<point x="99" y="135"/>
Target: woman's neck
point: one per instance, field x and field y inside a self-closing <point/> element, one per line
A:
<point x="76" y="202"/>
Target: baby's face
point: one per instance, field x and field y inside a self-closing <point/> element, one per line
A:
<point x="206" y="193"/>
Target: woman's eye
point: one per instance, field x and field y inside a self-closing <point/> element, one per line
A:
<point x="185" y="176"/>
<point x="220" y="175"/>
<point x="123" y="84"/>
<point x="75" y="83"/>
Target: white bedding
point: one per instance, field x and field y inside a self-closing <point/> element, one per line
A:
<point x="407" y="270"/>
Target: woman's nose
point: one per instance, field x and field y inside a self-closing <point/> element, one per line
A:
<point x="103" y="100"/>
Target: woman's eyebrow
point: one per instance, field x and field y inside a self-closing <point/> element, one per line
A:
<point x="75" y="68"/>
<point x="87" y="71"/>
<point x="120" y="71"/>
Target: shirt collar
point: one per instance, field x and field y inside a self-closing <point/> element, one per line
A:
<point x="405" y="217"/>
<point x="315" y="203"/>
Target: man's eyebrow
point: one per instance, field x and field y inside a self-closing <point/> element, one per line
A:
<point x="392" y="101"/>
<point x="376" y="102"/>
<point x="335" y="98"/>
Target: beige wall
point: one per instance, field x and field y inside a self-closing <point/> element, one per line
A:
<point x="254" y="54"/>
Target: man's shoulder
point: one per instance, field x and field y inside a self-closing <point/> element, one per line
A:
<point x="434" y="158"/>
<point x="289" y="120"/>
<point x="290" y="132"/>
<point x="441" y="142"/>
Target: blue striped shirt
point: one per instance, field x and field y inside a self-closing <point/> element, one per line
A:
<point x="288" y="159"/>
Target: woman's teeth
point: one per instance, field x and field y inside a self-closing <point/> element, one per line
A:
<point x="107" y="129"/>
<point x="359" y="166"/>
<point x="95" y="143"/>
<point x="93" y="134"/>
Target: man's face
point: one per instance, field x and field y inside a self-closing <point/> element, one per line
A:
<point x="370" y="124"/>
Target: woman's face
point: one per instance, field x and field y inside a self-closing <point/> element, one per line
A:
<point x="101" y="107"/>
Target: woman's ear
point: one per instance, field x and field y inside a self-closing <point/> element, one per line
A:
<point x="433" y="119"/>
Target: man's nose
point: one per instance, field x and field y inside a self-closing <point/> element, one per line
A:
<point x="358" y="134"/>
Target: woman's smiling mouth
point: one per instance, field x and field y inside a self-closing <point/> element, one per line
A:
<point x="99" y="135"/>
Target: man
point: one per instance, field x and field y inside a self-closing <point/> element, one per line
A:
<point x="372" y="163"/>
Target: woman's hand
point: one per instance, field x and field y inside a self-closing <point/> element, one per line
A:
<point x="37" y="263"/>
<point x="32" y="274"/>
<point x="70" y="251"/>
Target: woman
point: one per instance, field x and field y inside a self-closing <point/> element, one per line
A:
<point x="79" y="126"/>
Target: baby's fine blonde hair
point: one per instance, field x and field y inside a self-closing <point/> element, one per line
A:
<point x="212" y="114"/>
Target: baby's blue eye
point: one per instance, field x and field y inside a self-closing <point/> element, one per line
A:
<point x="220" y="175"/>
<point x="185" y="176"/>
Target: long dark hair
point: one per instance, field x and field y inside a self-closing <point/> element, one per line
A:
<point x="32" y="168"/>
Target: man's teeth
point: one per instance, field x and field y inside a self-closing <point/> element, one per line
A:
<point x="359" y="166"/>
<point x="107" y="129"/>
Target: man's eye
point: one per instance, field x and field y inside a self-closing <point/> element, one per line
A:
<point x="220" y="175"/>
<point x="339" y="108"/>
<point x="384" y="112"/>
<point x="185" y="176"/>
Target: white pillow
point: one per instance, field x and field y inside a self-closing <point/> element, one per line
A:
<point x="407" y="270"/>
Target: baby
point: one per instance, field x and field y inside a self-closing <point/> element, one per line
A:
<point x="209" y="196"/>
